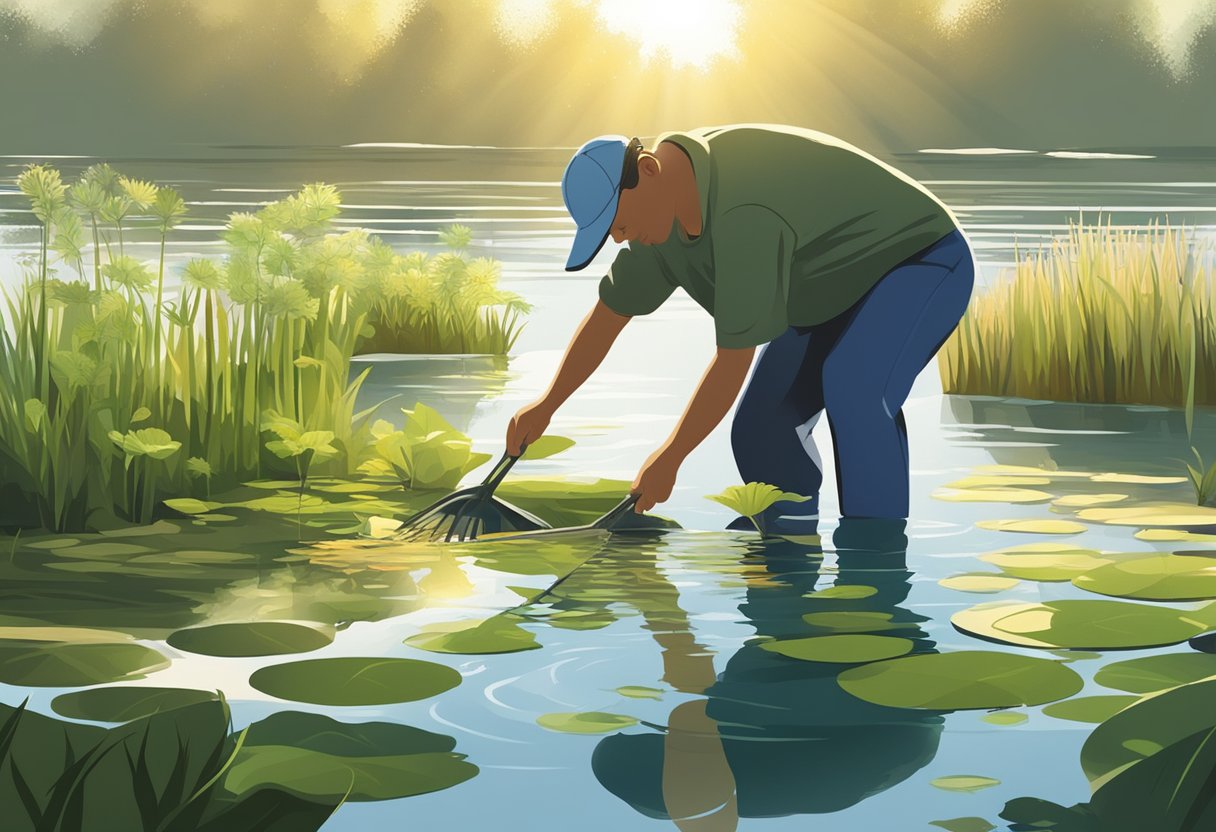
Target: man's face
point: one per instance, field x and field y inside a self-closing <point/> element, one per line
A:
<point x="644" y="214"/>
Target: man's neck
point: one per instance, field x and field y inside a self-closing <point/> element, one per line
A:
<point x="688" y="198"/>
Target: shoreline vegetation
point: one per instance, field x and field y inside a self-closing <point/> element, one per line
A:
<point x="1102" y="315"/>
<point x="118" y="398"/>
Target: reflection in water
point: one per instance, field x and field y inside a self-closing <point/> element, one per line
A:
<point x="776" y="736"/>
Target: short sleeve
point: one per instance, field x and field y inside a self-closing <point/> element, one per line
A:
<point x="637" y="283"/>
<point x="753" y="253"/>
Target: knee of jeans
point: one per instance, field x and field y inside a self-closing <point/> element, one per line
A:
<point x="846" y="392"/>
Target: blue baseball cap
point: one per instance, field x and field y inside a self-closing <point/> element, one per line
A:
<point x="591" y="187"/>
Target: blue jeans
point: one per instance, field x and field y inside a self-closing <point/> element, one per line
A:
<point x="858" y="367"/>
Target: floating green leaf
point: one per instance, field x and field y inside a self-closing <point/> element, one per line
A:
<point x="124" y="703"/>
<point x="500" y="634"/>
<point x="1154" y="514"/>
<point x="1005" y="718"/>
<point x="844" y="649"/>
<point x="590" y="722"/>
<point x="254" y="638"/>
<point x="1077" y="624"/>
<point x="1033" y="526"/>
<point x="1045" y="563"/>
<point x="639" y="692"/>
<point x="979" y="582"/>
<point x="1150" y="674"/>
<point x="1089" y="708"/>
<point x="355" y="680"/>
<point x="963" y="782"/>
<point x="1162" y="577"/>
<point x="968" y="679"/>
<point x="968" y="824"/>
<point x="56" y="664"/>
<point x="843" y="592"/>
<point x="990" y="495"/>
<point x="854" y="621"/>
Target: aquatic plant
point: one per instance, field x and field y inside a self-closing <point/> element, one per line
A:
<point x="163" y="771"/>
<point x="752" y="499"/>
<point x="444" y="303"/>
<point x="304" y="446"/>
<point x="1100" y="315"/>
<point x="428" y="452"/>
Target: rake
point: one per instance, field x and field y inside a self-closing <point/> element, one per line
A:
<point x="469" y="512"/>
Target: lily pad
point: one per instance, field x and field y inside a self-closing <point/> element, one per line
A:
<point x="1174" y="535"/>
<point x="52" y="543"/>
<point x="979" y="582"/>
<point x="1090" y="708"/>
<point x="1136" y="479"/>
<point x="1042" y="564"/>
<point x="591" y="722"/>
<point x="1150" y="674"/>
<point x="59" y="664"/>
<point x="844" y="591"/>
<point x="500" y="634"/>
<point x="968" y="824"/>
<point x="1162" y="577"/>
<point x="1077" y="624"/>
<point x="1146" y="727"/>
<point x="639" y="692"/>
<point x="1005" y="718"/>
<point x="189" y="505"/>
<point x="964" y="782"/>
<point x="1087" y="500"/>
<point x="967" y="679"/>
<point x="107" y="550"/>
<point x="843" y="649"/>
<point x="1033" y="526"/>
<point x="1153" y="514"/>
<point x="355" y="680"/>
<point x="254" y="638"/>
<point x="991" y="495"/>
<point x="125" y="703"/>
<point x="854" y="621"/>
<point x="315" y="755"/>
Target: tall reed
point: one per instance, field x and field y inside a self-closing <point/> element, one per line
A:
<point x="1101" y="315"/>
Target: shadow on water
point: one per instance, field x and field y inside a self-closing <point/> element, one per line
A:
<point x="774" y="736"/>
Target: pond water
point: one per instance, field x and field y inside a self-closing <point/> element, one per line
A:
<point x="678" y="618"/>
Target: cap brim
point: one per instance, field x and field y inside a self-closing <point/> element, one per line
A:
<point x="588" y="241"/>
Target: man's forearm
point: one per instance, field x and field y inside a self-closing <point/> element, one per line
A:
<point x="591" y="342"/>
<point x="715" y="393"/>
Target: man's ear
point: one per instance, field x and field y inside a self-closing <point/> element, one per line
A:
<point x="649" y="164"/>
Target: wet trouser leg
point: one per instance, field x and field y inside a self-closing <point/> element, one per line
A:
<point x="860" y="366"/>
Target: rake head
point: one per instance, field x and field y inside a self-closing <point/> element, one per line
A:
<point x="465" y="515"/>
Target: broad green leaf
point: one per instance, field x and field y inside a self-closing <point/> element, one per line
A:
<point x="1077" y="624"/>
<point x="844" y="649"/>
<point x="1045" y="564"/>
<point x="35" y="412"/>
<point x="754" y="497"/>
<point x="979" y="582"/>
<point x="355" y="680"/>
<point x="140" y="415"/>
<point x="1150" y="674"/>
<point x="967" y="679"/>
<point x="964" y="782"/>
<point x="56" y="664"/>
<point x="1162" y="577"/>
<point x="591" y="722"/>
<point x="500" y="634"/>
<point x="843" y="592"/>
<point x="189" y="505"/>
<point x="1089" y="708"/>
<point x="967" y="824"/>
<point x="1033" y="526"/>
<point x="255" y="638"/>
<point x="1005" y="718"/>
<point x="124" y="703"/>
<point x="639" y="692"/>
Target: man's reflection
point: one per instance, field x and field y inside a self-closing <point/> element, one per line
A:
<point x="776" y="736"/>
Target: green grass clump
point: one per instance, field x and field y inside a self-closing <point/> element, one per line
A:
<point x="1102" y="315"/>
<point x="444" y="303"/>
<point x="117" y="398"/>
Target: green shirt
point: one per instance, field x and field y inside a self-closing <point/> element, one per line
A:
<point x="796" y="227"/>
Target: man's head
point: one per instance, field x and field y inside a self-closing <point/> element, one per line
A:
<point x="615" y="187"/>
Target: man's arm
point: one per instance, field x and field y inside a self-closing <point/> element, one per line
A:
<point x="716" y="392"/>
<point x="587" y="348"/>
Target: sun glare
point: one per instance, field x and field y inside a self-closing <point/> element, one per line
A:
<point x="686" y="32"/>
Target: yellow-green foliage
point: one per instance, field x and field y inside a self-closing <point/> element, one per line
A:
<point x="266" y="335"/>
<point x="1103" y="315"/>
<point x="752" y="499"/>
<point x="445" y="303"/>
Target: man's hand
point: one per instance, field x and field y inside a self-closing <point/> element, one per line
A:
<point x="655" y="481"/>
<point x="527" y="426"/>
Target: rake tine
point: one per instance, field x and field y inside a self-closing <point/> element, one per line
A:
<point x="456" y="518"/>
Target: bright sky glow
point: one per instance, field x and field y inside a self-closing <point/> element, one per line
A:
<point x="685" y="32"/>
